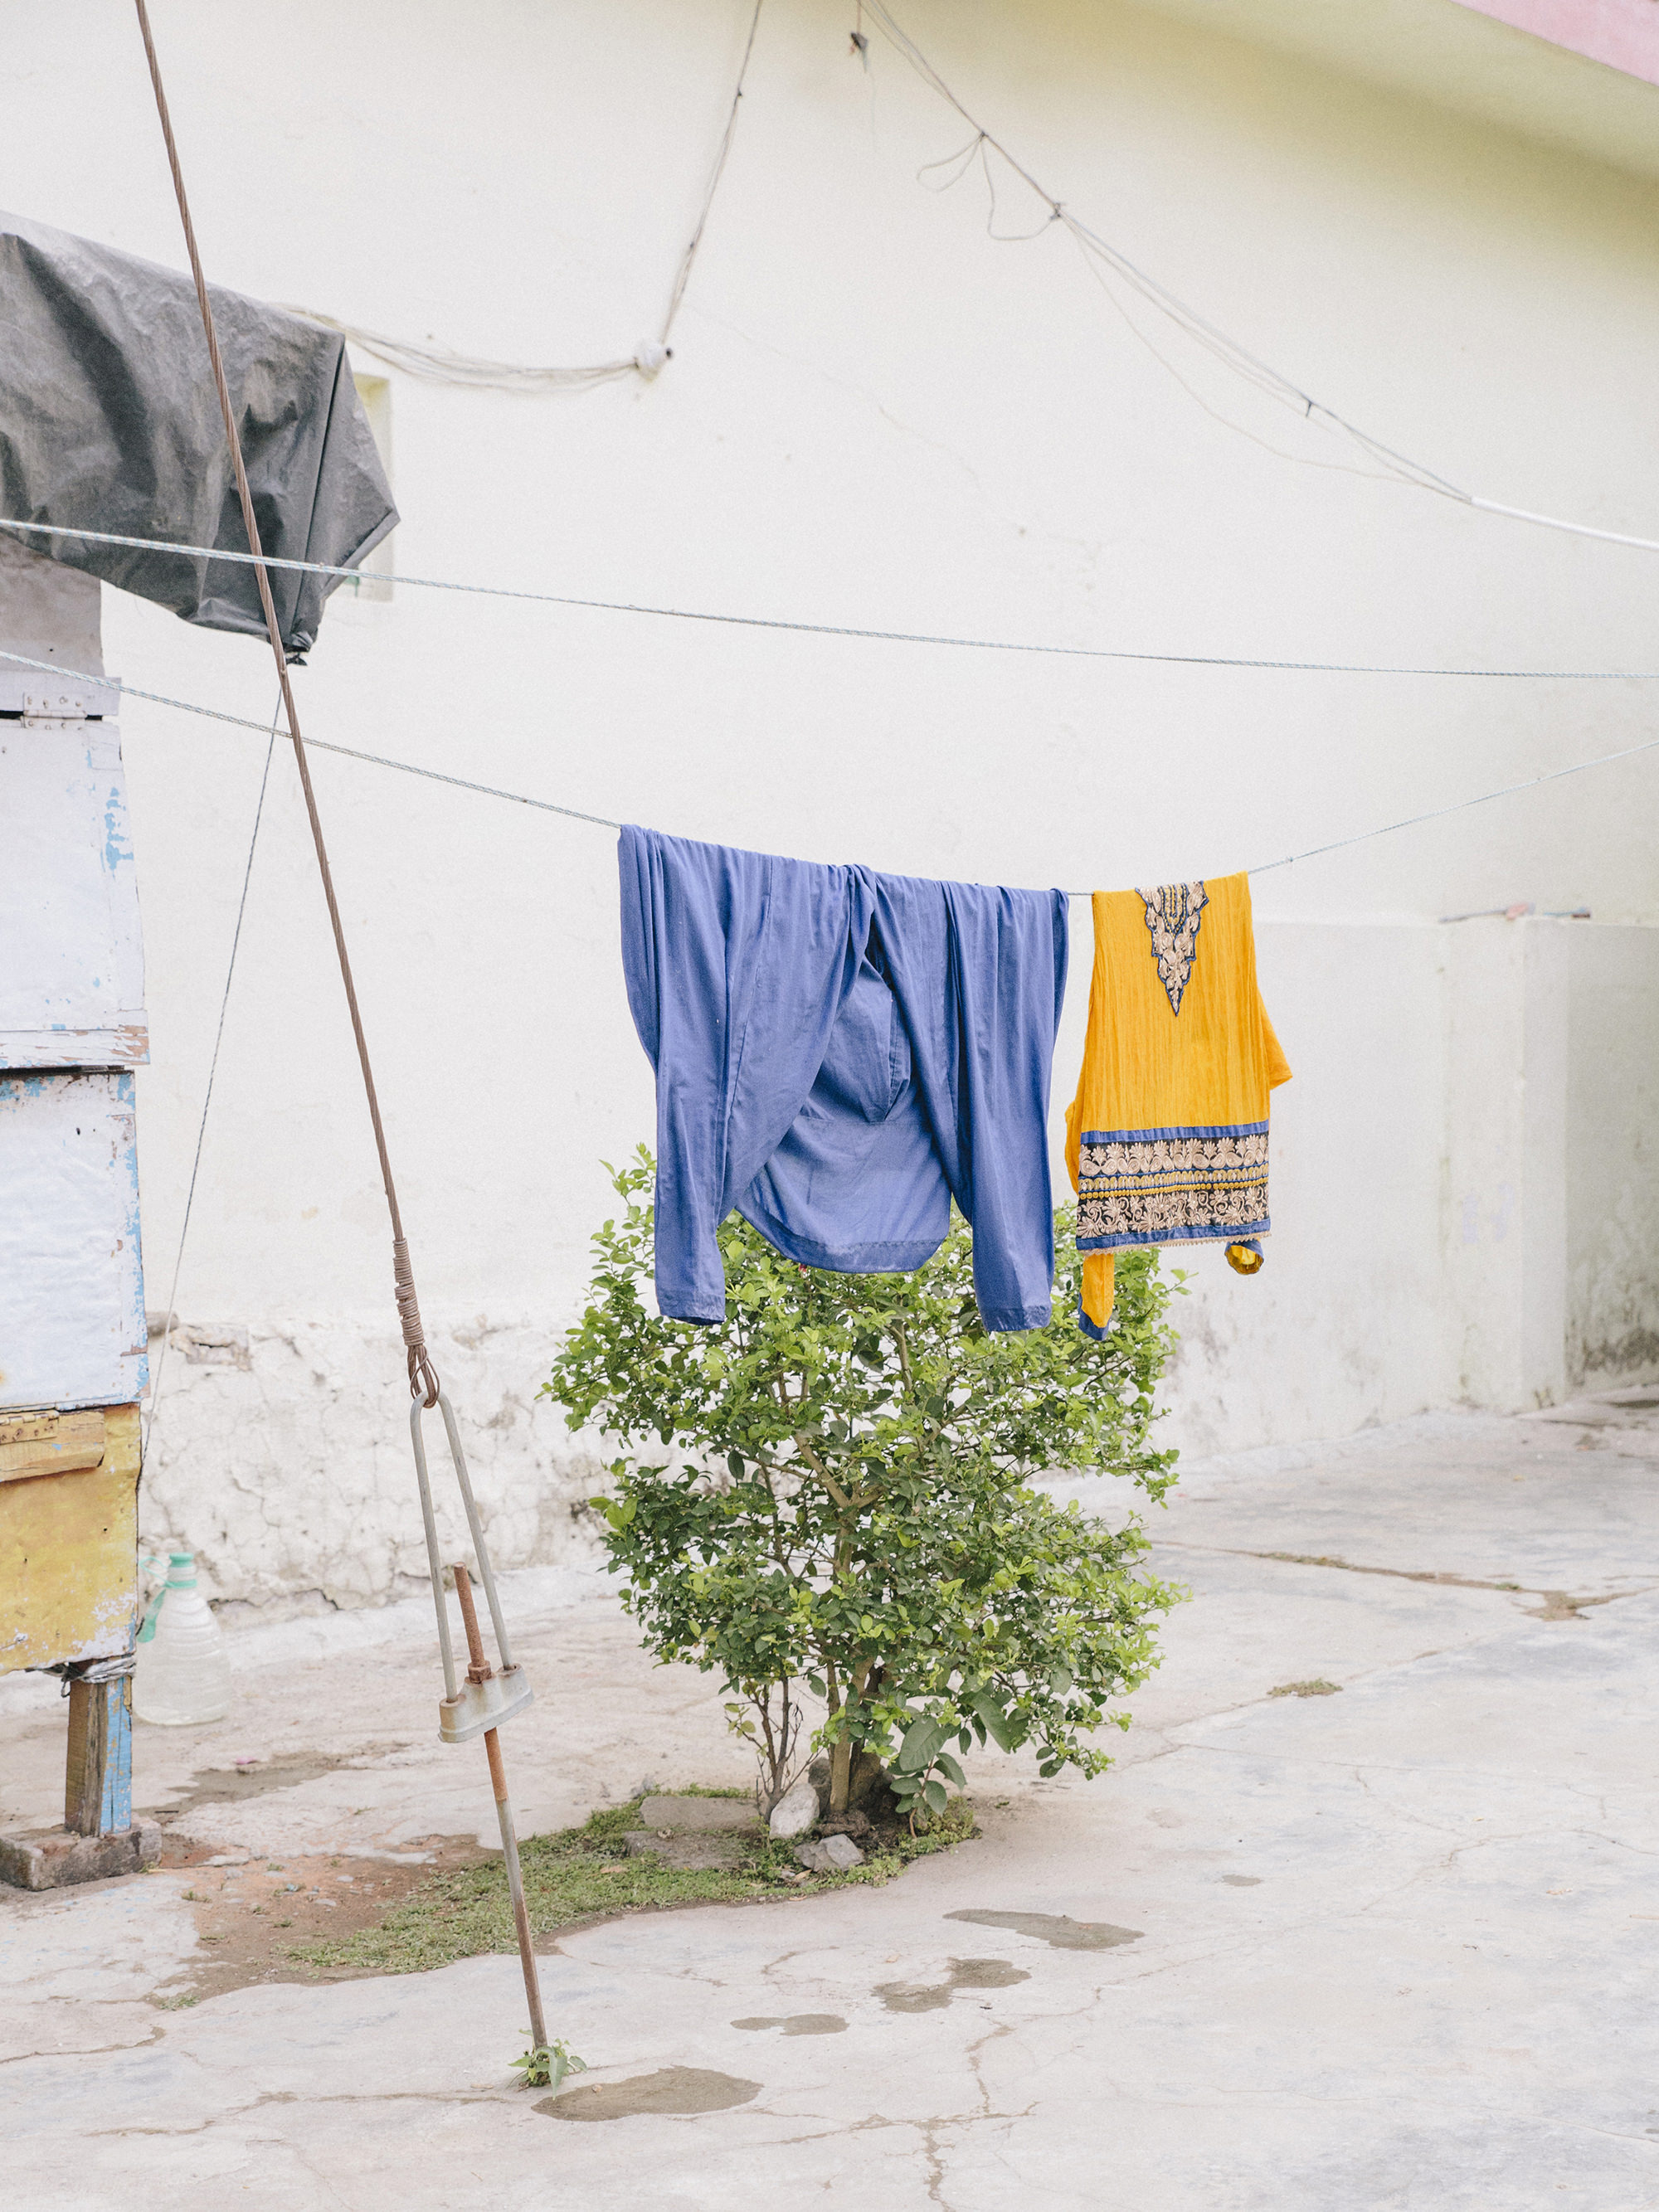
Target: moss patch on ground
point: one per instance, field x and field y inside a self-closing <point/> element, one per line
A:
<point x="587" y="1874"/>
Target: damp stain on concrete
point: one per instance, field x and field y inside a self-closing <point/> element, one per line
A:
<point x="965" y="1974"/>
<point x="1055" y="1929"/>
<point x="1561" y="1605"/>
<point x="228" y="1785"/>
<point x="985" y="1974"/>
<point x="672" y="2089"/>
<point x="901" y="1997"/>
<point x="796" y="2023"/>
<point x="1243" y="1881"/>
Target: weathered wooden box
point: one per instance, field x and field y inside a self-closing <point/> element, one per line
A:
<point x="73" y="1354"/>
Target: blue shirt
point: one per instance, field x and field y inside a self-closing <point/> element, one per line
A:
<point x="839" y="1054"/>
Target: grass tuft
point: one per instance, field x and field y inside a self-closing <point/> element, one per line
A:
<point x="585" y="1873"/>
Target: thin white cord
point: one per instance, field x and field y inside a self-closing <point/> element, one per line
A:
<point x="683" y="277"/>
<point x="1552" y="522"/>
<point x="207" y="1097"/>
<point x="837" y="630"/>
<point x="1458" y="806"/>
<point x="1227" y="349"/>
<point x="604" y="821"/>
<point x="436" y="364"/>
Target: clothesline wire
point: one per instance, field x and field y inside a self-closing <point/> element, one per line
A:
<point x="849" y="630"/>
<point x="1229" y="350"/>
<point x="172" y="1315"/>
<point x="606" y="821"/>
<point x="314" y="744"/>
<point x="1458" y="806"/>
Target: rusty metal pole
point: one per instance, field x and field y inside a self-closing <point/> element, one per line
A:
<point x="480" y="1671"/>
<point x="422" y="1377"/>
<point x="423" y="1382"/>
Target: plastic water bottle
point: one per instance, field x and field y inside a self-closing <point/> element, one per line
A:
<point x="182" y="1676"/>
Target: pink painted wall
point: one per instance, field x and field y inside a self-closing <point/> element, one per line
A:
<point x="1622" y="34"/>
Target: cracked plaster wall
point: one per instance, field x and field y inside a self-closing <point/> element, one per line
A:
<point x="292" y="1478"/>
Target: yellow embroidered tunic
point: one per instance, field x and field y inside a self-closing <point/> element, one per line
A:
<point x="1167" y="1137"/>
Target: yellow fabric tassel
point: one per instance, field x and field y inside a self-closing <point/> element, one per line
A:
<point x="1099" y="1287"/>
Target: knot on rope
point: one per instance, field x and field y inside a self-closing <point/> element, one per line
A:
<point x="422" y="1374"/>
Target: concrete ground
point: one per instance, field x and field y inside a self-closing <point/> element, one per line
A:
<point x="1393" y="1946"/>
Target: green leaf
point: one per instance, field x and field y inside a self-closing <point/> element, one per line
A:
<point x="934" y="1794"/>
<point x="996" y="1721"/>
<point x="921" y="1740"/>
<point x="952" y="1773"/>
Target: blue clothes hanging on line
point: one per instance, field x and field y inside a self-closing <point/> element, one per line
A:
<point x="838" y="1054"/>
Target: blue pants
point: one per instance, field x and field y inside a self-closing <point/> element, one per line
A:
<point x="839" y="1055"/>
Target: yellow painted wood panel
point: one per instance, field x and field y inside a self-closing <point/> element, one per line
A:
<point x="68" y="1548"/>
<point x="50" y="1443"/>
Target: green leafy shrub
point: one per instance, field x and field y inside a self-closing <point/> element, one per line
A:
<point x="846" y="1511"/>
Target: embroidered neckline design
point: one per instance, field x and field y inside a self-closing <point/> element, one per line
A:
<point x="1173" y="913"/>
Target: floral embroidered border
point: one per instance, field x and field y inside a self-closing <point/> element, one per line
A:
<point x="1167" y="1186"/>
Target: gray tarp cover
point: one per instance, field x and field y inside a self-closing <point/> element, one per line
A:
<point x="109" y="421"/>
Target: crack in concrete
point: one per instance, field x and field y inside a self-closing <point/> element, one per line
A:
<point x="1249" y="1704"/>
<point x="1347" y="1766"/>
<point x="99" y="2049"/>
<point x="1525" y="1835"/>
<point x="1255" y="1940"/>
<point x="240" y="2111"/>
<point x="974" y="2054"/>
<point x="1559" y="1605"/>
<point x="935" y="2173"/>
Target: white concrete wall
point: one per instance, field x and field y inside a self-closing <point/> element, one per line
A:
<point x="1612" y="1176"/>
<point x="1347" y="1323"/>
<point x="875" y="415"/>
<point x="1507" y="1017"/>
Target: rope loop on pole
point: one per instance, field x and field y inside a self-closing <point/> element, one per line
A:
<point x="422" y="1374"/>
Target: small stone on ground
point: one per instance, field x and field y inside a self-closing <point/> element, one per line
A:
<point x="796" y="1813"/>
<point x="829" y="1855"/>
